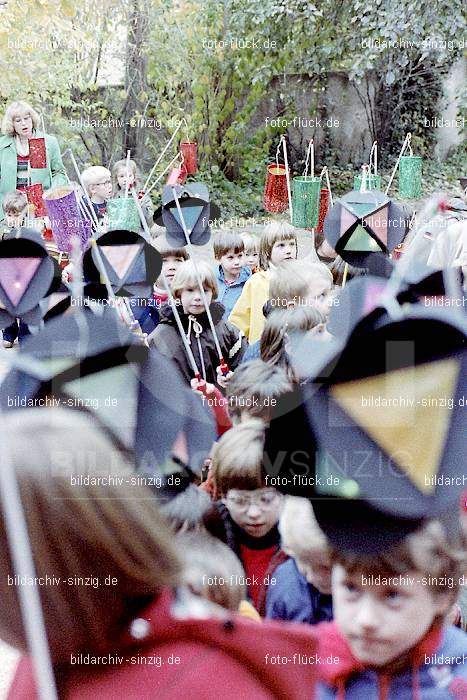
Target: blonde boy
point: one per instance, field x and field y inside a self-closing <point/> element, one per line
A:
<point x="97" y="181"/>
<point x="251" y="243"/>
<point x="303" y="583"/>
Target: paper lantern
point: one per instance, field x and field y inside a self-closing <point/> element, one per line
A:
<point x="123" y="214"/>
<point x="34" y="194"/>
<point x="275" y="198"/>
<point x="410" y="177"/>
<point x="189" y="150"/>
<point x="324" y="201"/>
<point x="37" y="153"/>
<point x="305" y="201"/>
<point x="373" y="182"/>
<point x="66" y="221"/>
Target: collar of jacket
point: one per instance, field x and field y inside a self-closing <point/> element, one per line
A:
<point x="245" y="273"/>
<point x="216" y="309"/>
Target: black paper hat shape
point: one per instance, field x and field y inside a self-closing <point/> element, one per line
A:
<point x="386" y="444"/>
<point x="132" y="264"/>
<point x="361" y="224"/>
<point x="197" y="211"/>
<point x="134" y="392"/>
<point x="26" y="274"/>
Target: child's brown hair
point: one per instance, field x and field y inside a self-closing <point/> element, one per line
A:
<point x="254" y="388"/>
<point x="227" y="240"/>
<point x="237" y="461"/>
<point x="15" y="203"/>
<point x="166" y="249"/>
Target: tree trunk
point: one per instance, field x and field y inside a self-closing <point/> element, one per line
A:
<point x="135" y="78"/>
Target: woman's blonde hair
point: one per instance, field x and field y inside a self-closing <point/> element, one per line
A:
<point x="273" y="233"/>
<point x="81" y="532"/>
<point x="15" y="109"/>
<point x="186" y="277"/>
<point x="121" y="165"/>
<point x="277" y="329"/>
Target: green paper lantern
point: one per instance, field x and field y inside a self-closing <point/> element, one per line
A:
<point x="373" y="182"/>
<point x="123" y="215"/>
<point x="410" y="177"/>
<point x="305" y="201"/>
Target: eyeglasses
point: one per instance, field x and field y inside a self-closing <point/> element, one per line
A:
<point x="106" y="182"/>
<point x="263" y="500"/>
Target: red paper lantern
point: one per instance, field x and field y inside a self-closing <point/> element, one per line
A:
<point x="189" y="150"/>
<point x="34" y="194"/>
<point x="37" y="153"/>
<point x="177" y="176"/>
<point x="276" y="198"/>
<point x="323" y="209"/>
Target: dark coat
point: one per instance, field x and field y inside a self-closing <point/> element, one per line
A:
<point x="166" y="338"/>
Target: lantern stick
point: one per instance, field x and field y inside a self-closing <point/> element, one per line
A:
<point x="127" y="183"/>
<point x="344" y="276"/>
<point x="162" y="154"/>
<point x="373" y="159"/>
<point x="171" y="299"/>
<point x="363" y="183"/>
<point x="162" y="174"/>
<point x="47" y="161"/>
<point x="198" y="276"/>
<point x="401" y="153"/>
<point x="23" y="565"/>
<point x="328" y="184"/>
<point x="287" y="177"/>
<point x="310" y="151"/>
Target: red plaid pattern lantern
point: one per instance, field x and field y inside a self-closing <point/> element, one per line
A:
<point x="275" y="198"/>
<point x="37" y="153"/>
<point x="189" y="151"/>
<point x="323" y="209"/>
<point x="34" y="194"/>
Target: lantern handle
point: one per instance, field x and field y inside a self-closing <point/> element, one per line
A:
<point x="328" y="184"/>
<point x="310" y="159"/>
<point x="162" y="174"/>
<point x="373" y="159"/>
<point x="405" y="145"/>
<point x="287" y="176"/>
<point x="162" y="154"/>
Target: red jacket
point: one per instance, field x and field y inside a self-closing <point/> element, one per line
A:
<point x="205" y="659"/>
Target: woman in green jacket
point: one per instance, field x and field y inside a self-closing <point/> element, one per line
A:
<point x="20" y="123"/>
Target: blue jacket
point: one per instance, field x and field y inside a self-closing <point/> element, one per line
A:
<point x="441" y="675"/>
<point x="229" y="293"/>
<point x="293" y="598"/>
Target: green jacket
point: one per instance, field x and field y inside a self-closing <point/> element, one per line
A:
<point x="8" y="167"/>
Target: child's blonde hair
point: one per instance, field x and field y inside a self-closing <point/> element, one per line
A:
<point x="277" y="329"/>
<point x="290" y="282"/>
<point x="211" y="569"/>
<point x="15" y="203"/>
<point x="186" y="277"/>
<point x="122" y="165"/>
<point x="13" y="111"/>
<point x="273" y="233"/>
<point x="90" y="176"/>
<point x="237" y="461"/>
<point x="251" y="243"/>
<point x="298" y="526"/>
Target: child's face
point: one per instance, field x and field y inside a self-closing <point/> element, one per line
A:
<point x="284" y="250"/>
<point x="256" y="512"/>
<point x="14" y="220"/>
<point x="22" y="124"/>
<point x="232" y="263"/>
<point x="121" y="178"/>
<point x="314" y="563"/>
<point x="170" y="265"/>
<point x="192" y="301"/>
<point x="252" y="260"/>
<point x="102" y="190"/>
<point x="320" y="296"/>
<point x="381" y="623"/>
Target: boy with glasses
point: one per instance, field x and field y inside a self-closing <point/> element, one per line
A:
<point x="98" y="183"/>
<point x="247" y="515"/>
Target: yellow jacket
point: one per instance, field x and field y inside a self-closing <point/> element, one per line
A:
<point x="247" y="314"/>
